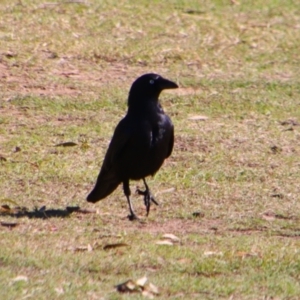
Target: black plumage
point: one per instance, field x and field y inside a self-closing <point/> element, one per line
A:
<point x="142" y="140"/>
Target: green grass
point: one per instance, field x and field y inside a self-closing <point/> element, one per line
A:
<point x="65" y="71"/>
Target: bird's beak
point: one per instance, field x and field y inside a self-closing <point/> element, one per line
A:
<point x="167" y="84"/>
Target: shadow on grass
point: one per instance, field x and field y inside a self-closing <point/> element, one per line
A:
<point x="41" y="213"/>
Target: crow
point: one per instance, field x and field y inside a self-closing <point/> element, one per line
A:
<point x="141" y="142"/>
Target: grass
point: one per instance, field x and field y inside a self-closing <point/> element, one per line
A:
<point x="230" y="190"/>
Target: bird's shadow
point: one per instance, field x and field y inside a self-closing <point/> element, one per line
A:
<point x="39" y="213"/>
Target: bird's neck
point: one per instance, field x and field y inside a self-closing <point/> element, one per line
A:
<point x="144" y="106"/>
<point x="141" y="102"/>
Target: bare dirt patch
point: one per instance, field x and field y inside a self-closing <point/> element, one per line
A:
<point x="61" y="78"/>
<point x="180" y="226"/>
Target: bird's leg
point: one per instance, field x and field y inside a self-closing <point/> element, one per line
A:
<point x="148" y="198"/>
<point x="127" y="193"/>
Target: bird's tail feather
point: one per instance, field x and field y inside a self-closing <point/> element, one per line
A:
<point x="105" y="185"/>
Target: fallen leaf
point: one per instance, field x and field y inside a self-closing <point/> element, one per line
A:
<point x="153" y="288"/>
<point x="164" y="242"/>
<point x="142" y="281"/>
<point x="9" y="224"/>
<point x="66" y="144"/>
<point x="78" y="249"/>
<point x="290" y="122"/>
<point x="149" y="290"/>
<point x="246" y="254"/>
<point x="275" y="149"/>
<point x="198" y="118"/>
<point x="198" y="214"/>
<point x="268" y="216"/>
<point x="113" y="246"/>
<point x="128" y="286"/>
<point x="213" y="253"/>
<point x="9" y="54"/>
<point x="88" y="248"/>
<point x="139" y="286"/>
<point x="171" y="237"/>
<point x="194" y="12"/>
<point x="5" y="209"/>
<point x="277" y="195"/>
<point x="20" y="278"/>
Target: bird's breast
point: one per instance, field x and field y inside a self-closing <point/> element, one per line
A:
<point x="146" y="150"/>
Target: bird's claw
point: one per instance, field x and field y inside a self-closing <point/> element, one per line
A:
<point x="133" y="217"/>
<point x="148" y="198"/>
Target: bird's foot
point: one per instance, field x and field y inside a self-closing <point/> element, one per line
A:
<point x="148" y="198"/>
<point x="133" y="217"/>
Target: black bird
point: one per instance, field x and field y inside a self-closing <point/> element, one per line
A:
<point x="142" y="140"/>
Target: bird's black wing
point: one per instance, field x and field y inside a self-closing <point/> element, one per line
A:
<point x="118" y="142"/>
<point x="108" y="180"/>
<point x="171" y="142"/>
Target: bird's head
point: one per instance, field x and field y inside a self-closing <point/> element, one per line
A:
<point x="149" y="86"/>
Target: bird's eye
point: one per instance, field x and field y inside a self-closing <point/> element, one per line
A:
<point x="151" y="81"/>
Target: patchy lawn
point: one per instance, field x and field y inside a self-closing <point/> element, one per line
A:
<point x="229" y="192"/>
